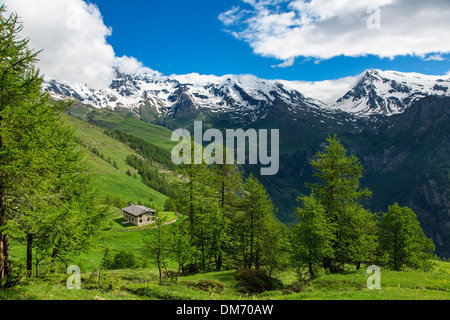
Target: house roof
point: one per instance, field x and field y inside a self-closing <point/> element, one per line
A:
<point x="137" y="210"/>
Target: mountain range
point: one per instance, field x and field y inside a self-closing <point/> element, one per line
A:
<point x="376" y="92"/>
<point x="396" y="123"/>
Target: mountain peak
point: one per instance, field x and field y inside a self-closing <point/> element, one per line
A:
<point x="377" y="92"/>
<point x="389" y="92"/>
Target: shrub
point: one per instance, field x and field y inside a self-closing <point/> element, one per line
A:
<point x="121" y="260"/>
<point x="206" y="285"/>
<point x="256" y="281"/>
<point x="299" y="286"/>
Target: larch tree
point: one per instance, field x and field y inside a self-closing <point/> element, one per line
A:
<point x="338" y="191"/>
<point x="312" y="237"/>
<point x="45" y="187"/>
<point x="255" y="223"/>
<point x="402" y="241"/>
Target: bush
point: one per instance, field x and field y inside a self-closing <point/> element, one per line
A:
<point x="121" y="260"/>
<point x="299" y="286"/>
<point x="256" y="281"/>
<point x="206" y="285"/>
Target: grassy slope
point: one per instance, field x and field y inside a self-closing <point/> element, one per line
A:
<point x="109" y="119"/>
<point x="110" y="180"/>
<point x="143" y="285"/>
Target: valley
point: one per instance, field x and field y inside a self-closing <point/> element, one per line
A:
<point x="396" y="123"/>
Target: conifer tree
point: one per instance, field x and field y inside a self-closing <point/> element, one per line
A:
<point x="227" y="181"/>
<point x="312" y="237"/>
<point x="402" y="241"/>
<point x="45" y="187"/>
<point x="338" y="191"/>
<point x="157" y="243"/>
<point x="258" y="213"/>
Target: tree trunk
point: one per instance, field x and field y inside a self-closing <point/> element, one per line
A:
<point x="29" y="254"/>
<point x="7" y="255"/>
<point x="1" y="257"/>
<point x="179" y="270"/>
<point x="160" y="271"/>
<point x="37" y="267"/>
<point x="219" y="262"/>
<point x="251" y="241"/>
<point x="311" y="271"/>
<point x="2" y="212"/>
<point x="54" y="255"/>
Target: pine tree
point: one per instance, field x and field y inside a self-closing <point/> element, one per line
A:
<point x="157" y="243"/>
<point x="22" y="113"/>
<point x="192" y="200"/>
<point x="402" y="241"/>
<point x="338" y="191"/>
<point x="258" y="212"/>
<point x="312" y="237"/>
<point x="226" y="181"/>
<point x="45" y="190"/>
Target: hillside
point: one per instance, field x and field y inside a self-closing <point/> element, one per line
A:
<point x="404" y="149"/>
<point x="114" y="181"/>
<point x="142" y="284"/>
<point x="125" y="122"/>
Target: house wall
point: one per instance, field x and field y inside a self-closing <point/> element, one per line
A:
<point x="142" y="220"/>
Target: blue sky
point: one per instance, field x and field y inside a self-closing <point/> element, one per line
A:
<point x="306" y="40"/>
<point x="179" y="37"/>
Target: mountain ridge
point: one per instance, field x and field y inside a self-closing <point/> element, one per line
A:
<point x="376" y="92"/>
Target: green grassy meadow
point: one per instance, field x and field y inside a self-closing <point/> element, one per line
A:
<point x="143" y="283"/>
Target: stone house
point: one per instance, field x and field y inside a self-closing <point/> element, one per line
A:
<point x="139" y="215"/>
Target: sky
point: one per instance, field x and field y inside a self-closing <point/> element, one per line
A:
<point x="307" y="41"/>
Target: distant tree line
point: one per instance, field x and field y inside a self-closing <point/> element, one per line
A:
<point x="150" y="176"/>
<point x="147" y="150"/>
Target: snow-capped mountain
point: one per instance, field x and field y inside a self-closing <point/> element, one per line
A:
<point x="246" y="96"/>
<point x="390" y="92"/>
<point x="243" y="94"/>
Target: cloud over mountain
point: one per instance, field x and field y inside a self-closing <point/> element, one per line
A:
<point x="323" y="29"/>
<point x="73" y="38"/>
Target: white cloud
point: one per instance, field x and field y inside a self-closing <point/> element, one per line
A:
<point x="435" y="57"/>
<point x="130" y="65"/>
<point x="288" y="63"/>
<point x="328" y="28"/>
<point x="327" y="91"/>
<point x="73" y="36"/>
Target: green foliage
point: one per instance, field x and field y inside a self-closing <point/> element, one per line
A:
<point x="157" y="245"/>
<point x="151" y="176"/>
<point x="149" y="151"/>
<point x="312" y="237"/>
<point x="46" y="189"/>
<point x="338" y="192"/>
<point x="208" y="285"/>
<point x="115" y="201"/>
<point x="402" y="241"/>
<point x="257" y="225"/>
<point x="120" y="260"/>
<point x="335" y="229"/>
<point x="256" y="281"/>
